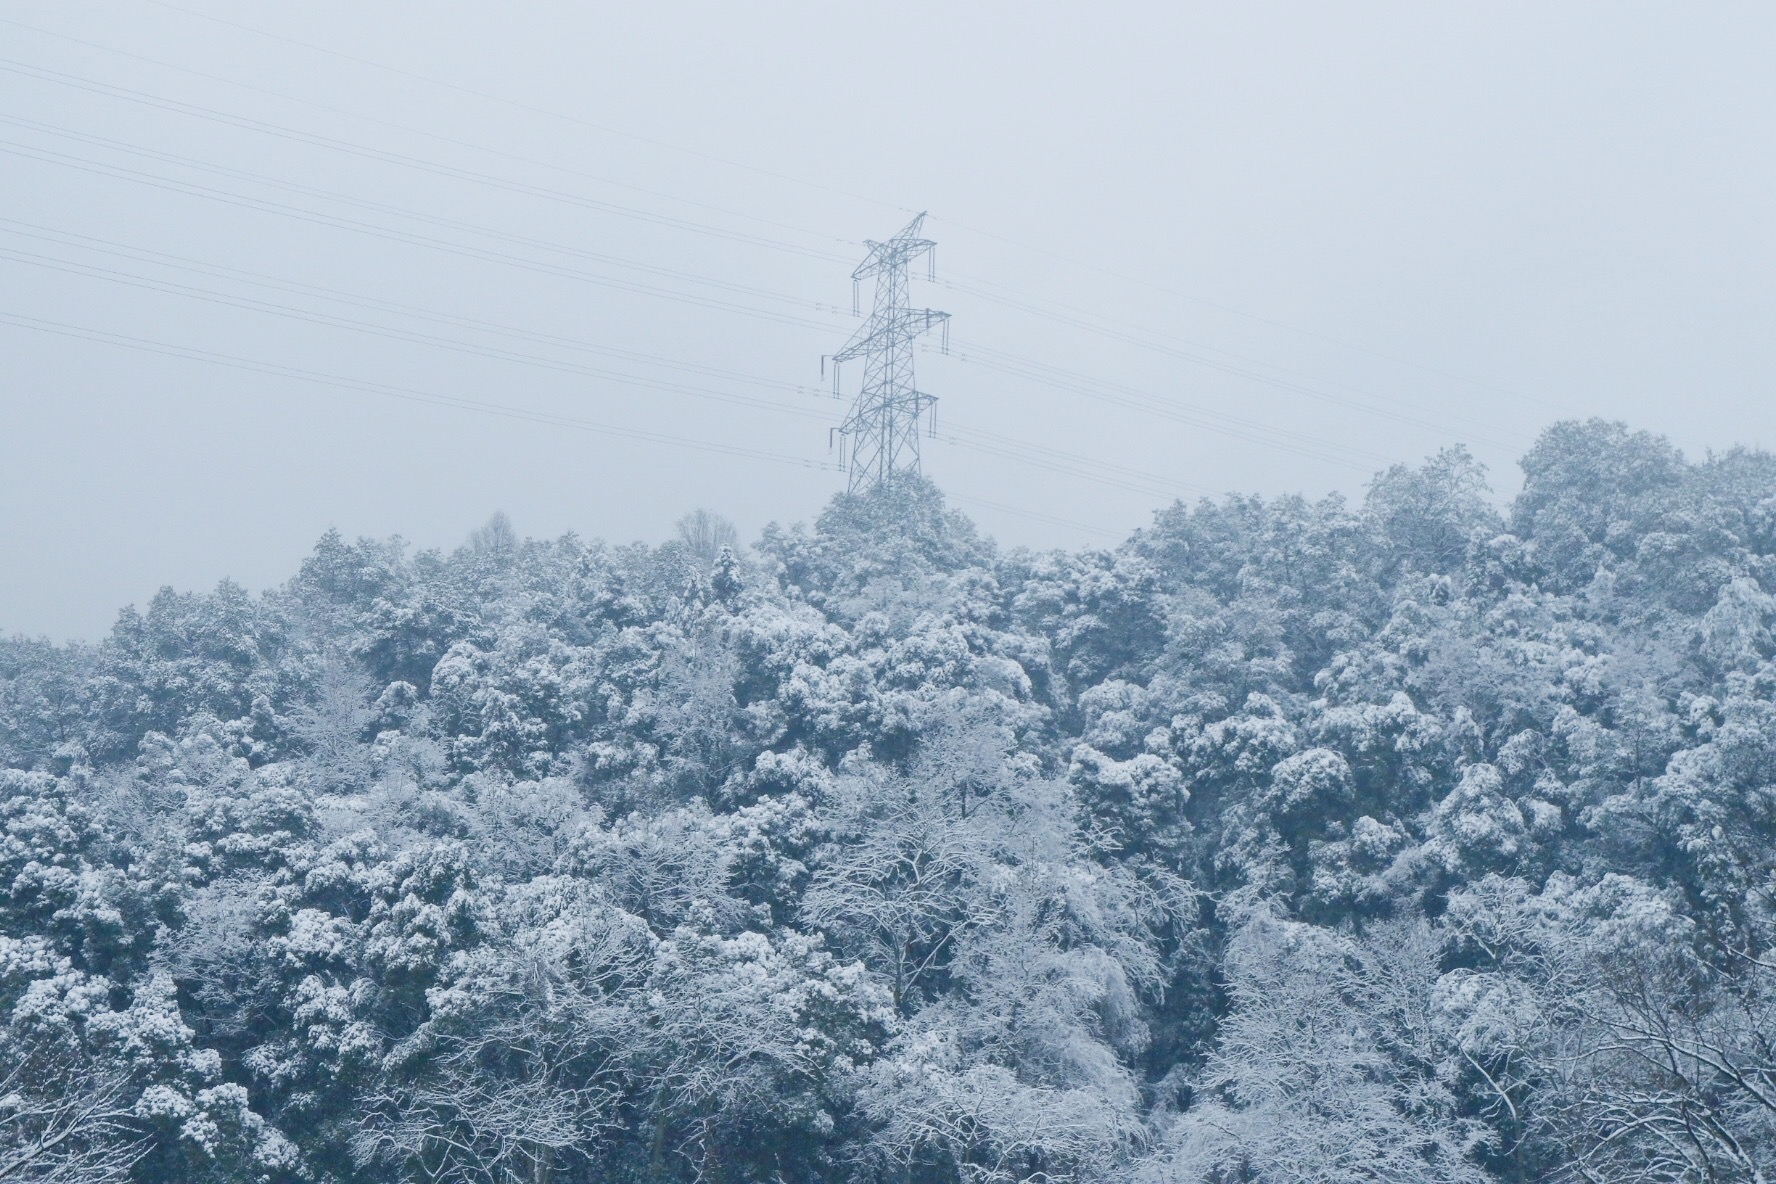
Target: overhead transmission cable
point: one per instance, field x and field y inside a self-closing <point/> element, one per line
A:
<point x="328" y="142"/>
<point x="1226" y="308"/>
<point x="982" y="289"/>
<point x="1052" y="460"/>
<point x="168" y="349"/>
<point x="403" y="212"/>
<point x="296" y="287"/>
<point x="257" y="125"/>
<point x="412" y="162"/>
<point x="395" y="334"/>
<point x="1158" y="485"/>
<point x="534" y="109"/>
<point x="1049" y="252"/>
<point x="153" y="180"/>
<point x="976" y="288"/>
<point x="411" y="130"/>
<point x="954" y="434"/>
<point x="409" y="394"/>
<point x="1174" y="409"/>
<point x="1051" y="519"/>
<point x="1106" y="473"/>
<point x="1142" y="338"/>
<point x="399" y="236"/>
<point x="1070" y="380"/>
<point x="1023" y="368"/>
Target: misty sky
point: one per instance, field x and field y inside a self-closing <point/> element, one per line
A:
<point x="1187" y="248"/>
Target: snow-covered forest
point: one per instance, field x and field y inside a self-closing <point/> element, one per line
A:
<point x="1413" y="840"/>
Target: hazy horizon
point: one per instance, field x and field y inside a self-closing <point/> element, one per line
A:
<point x="1273" y="249"/>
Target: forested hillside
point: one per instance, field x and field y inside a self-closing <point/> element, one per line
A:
<point x="1288" y="841"/>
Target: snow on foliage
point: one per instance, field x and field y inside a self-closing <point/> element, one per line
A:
<point x="1288" y="841"/>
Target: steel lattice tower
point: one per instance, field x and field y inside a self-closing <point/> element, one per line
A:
<point x="882" y="429"/>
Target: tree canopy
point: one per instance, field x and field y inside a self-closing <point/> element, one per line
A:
<point x="1290" y="840"/>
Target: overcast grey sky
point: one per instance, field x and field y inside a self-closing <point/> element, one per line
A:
<point x="1187" y="248"/>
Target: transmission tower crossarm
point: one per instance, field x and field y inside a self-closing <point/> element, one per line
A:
<point x="859" y="343"/>
<point x="910" y="323"/>
<point x="896" y="252"/>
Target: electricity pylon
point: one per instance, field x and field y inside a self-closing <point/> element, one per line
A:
<point x="882" y="429"/>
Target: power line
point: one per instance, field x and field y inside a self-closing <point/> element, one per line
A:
<point x="1070" y="464"/>
<point x="1070" y="380"/>
<point x="403" y="212"/>
<point x="169" y="349"/>
<point x="1172" y="409"/>
<point x="1022" y="512"/>
<point x="409" y="129"/>
<point x="444" y="170"/>
<point x="1026" y="365"/>
<point x="1033" y="455"/>
<point x="1250" y="316"/>
<point x="534" y="109"/>
<point x="395" y="334"/>
<point x="977" y="288"/>
<point x="260" y="279"/>
<point x="1054" y="460"/>
<point x="155" y="181"/>
<point x="979" y="355"/>
<point x="1009" y="241"/>
<point x="1142" y="338"/>
<point x="1014" y="366"/>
